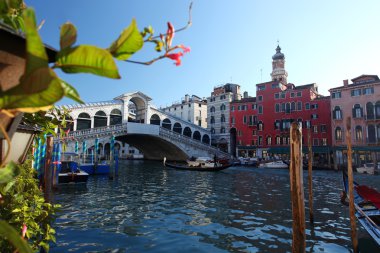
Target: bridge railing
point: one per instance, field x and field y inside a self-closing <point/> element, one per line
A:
<point x="98" y="131"/>
<point x="171" y="135"/>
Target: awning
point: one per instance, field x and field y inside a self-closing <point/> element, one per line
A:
<point x="360" y="148"/>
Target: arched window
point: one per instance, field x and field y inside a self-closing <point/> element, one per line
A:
<point x="212" y="109"/>
<point x="269" y="140"/>
<point x="187" y="132"/>
<point x="260" y="126"/>
<point x="83" y="121"/>
<point x="357" y="111"/>
<point x="100" y="119"/>
<point x="377" y="109"/>
<point x="223" y="107"/>
<point x="293" y="106"/>
<point x="358" y="133"/>
<point x="338" y="134"/>
<point x="371" y="134"/>
<point x="337" y="113"/>
<point x="177" y="128"/>
<point x="370" y="110"/>
<point x="212" y="130"/>
<point x="197" y="135"/>
<point x="212" y="120"/>
<point x="115" y="117"/>
<point x="155" y="120"/>
<point x="222" y="130"/>
<point x="287" y="109"/>
<point x="166" y="123"/>
<point x="278" y="140"/>
<point x="222" y="118"/>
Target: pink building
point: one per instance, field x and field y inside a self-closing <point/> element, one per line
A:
<point x="360" y="101"/>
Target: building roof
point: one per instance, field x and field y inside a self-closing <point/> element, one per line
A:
<point x="245" y="100"/>
<point x="367" y="79"/>
<point x="278" y="55"/>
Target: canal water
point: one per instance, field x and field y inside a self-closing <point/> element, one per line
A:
<point x="150" y="208"/>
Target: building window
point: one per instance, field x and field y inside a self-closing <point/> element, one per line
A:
<point x="314" y="106"/>
<point x="212" y="109"/>
<point x="232" y="108"/>
<point x="277" y="124"/>
<point x="315" y="142"/>
<point x="314" y="116"/>
<point x="276" y="95"/>
<point x="337" y="113"/>
<point x="307" y="124"/>
<point x="232" y="120"/>
<point x="223" y="107"/>
<point x="239" y="133"/>
<point x="356" y="92"/>
<point x="358" y="133"/>
<point x="299" y="106"/>
<point x="254" y="106"/>
<point x="277" y="108"/>
<point x="222" y="130"/>
<point x="260" y="140"/>
<point x="260" y="98"/>
<point x="324" y="141"/>
<point x="244" y="119"/>
<point x="315" y="129"/>
<point x="269" y="140"/>
<point x="212" y="130"/>
<point x="299" y="94"/>
<point x="254" y="132"/>
<point x="260" y="126"/>
<point x="323" y="128"/>
<point x="307" y="106"/>
<point x="253" y="142"/>
<point x="222" y="118"/>
<point x="357" y="111"/>
<point x="287" y="109"/>
<point x="338" y="134"/>
<point x="274" y="85"/>
<point x="283" y="107"/>
<point x="260" y="87"/>
<point x="292" y="95"/>
<point x="278" y="140"/>
<point x="293" y="106"/>
<point x="336" y="95"/>
<point x="283" y="94"/>
<point x="260" y="109"/>
<point x="212" y="120"/>
<point x="368" y="91"/>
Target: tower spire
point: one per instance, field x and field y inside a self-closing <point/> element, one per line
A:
<point x="278" y="66"/>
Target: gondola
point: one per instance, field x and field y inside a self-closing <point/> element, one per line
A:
<point x="367" y="205"/>
<point x="197" y="168"/>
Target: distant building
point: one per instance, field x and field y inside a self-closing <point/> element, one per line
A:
<point x="260" y="126"/>
<point x="360" y="101"/>
<point x="218" y="106"/>
<point x="192" y="109"/>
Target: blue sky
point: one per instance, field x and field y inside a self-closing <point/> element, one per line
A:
<point x="323" y="41"/>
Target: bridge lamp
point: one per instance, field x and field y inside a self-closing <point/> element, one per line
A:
<point x="21" y="142"/>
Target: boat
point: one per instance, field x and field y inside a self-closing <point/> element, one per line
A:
<point x="249" y="161"/>
<point x="201" y="162"/>
<point x="69" y="171"/>
<point x="368" y="168"/>
<point x="274" y="165"/>
<point x="101" y="167"/>
<point x="200" y="167"/>
<point x="367" y="206"/>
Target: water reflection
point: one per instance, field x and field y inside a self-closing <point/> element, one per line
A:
<point x="149" y="208"/>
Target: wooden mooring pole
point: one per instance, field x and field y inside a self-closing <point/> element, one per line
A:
<point x="296" y="189"/>
<point x="351" y="187"/>
<point x="48" y="176"/>
<point x="310" y="178"/>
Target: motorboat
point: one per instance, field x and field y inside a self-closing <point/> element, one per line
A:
<point x="368" y="168"/>
<point x="69" y="170"/>
<point x="274" y="165"/>
<point x="201" y="166"/>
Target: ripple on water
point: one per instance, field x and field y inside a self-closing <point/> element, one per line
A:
<point x="149" y="208"/>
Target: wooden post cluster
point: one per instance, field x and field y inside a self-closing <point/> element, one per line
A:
<point x="351" y="187"/>
<point x="310" y="178"/>
<point x="296" y="189"/>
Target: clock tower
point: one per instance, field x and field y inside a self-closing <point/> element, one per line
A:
<point x="278" y="67"/>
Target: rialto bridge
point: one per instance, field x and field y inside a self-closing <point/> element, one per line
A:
<point x="135" y="123"/>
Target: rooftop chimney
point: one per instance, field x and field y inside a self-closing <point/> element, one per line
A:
<point x="345" y="83"/>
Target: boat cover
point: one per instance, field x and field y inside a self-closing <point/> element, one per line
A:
<point x="369" y="194"/>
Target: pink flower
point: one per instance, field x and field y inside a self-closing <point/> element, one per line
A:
<point x="169" y="35"/>
<point x="176" y="57"/>
<point x="185" y="49"/>
<point x="24" y="228"/>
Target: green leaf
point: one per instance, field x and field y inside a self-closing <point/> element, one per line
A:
<point x="87" y="59"/>
<point x="9" y="172"/>
<point x="32" y="98"/>
<point x="71" y="92"/>
<point x="8" y="232"/>
<point x="129" y="42"/>
<point x="159" y="45"/>
<point x="68" y="35"/>
<point x="36" y="56"/>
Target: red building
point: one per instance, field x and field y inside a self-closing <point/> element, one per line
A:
<point x="277" y="104"/>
